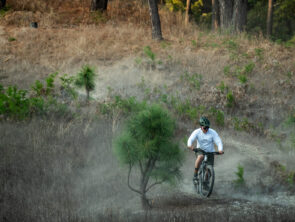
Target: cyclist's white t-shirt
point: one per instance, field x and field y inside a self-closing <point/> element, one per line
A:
<point x="205" y="141"/>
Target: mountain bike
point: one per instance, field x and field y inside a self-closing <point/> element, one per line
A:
<point x="204" y="184"/>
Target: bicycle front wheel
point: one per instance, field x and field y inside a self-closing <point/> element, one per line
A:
<point x="207" y="180"/>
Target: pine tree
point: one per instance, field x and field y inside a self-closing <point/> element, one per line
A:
<point x="147" y="144"/>
<point x="85" y="79"/>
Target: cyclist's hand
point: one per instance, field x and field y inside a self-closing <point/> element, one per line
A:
<point x="221" y="152"/>
<point x="190" y="147"/>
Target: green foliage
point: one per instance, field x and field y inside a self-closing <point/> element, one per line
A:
<point x="218" y="115"/>
<point x="240" y="181"/>
<point x="259" y="53"/>
<point x="189" y="110"/>
<point x="4" y="10"/>
<point x="86" y="78"/>
<point x="289" y="74"/>
<point x="147" y="143"/>
<point x="231" y="45"/>
<point x="175" y="5"/>
<point x="21" y="104"/>
<point x="222" y="87"/>
<point x="245" y="125"/>
<point x="291" y="119"/>
<point x="249" y="68"/>
<point x="226" y="70"/>
<point x="98" y="17"/>
<point x="230" y="99"/>
<point x="40" y="90"/>
<point x="14" y="103"/>
<point x="50" y="83"/>
<point x="11" y="39"/>
<point x="194" y="43"/>
<point x="286" y="177"/>
<point x="125" y="105"/>
<point x="67" y="85"/>
<point x="149" y="53"/>
<point x="243" y="79"/>
<point x="194" y="79"/>
<point x="283" y="18"/>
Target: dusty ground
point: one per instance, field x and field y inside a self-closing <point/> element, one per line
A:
<point x="93" y="187"/>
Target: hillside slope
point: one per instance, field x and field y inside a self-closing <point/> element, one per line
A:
<point x="67" y="168"/>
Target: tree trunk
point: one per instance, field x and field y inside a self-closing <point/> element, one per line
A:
<point x="269" y="18"/>
<point x="233" y="14"/>
<point x="215" y="15"/>
<point x="240" y="15"/>
<point x="88" y="95"/>
<point x="155" y="19"/>
<point x="226" y="13"/>
<point x="145" y="202"/>
<point x="99" y="5"/>
<point x="2" y="3"/>
<point x="187" y="12"/>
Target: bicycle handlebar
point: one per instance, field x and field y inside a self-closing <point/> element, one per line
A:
<point x="198" y="149"/>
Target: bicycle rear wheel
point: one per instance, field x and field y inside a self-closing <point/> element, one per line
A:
<point x="207" y="181"/>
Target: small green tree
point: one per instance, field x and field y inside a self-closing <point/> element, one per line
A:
<point x="85" y="79"/>
<point x="240" y="181"/>
<point x="147" y="144"/>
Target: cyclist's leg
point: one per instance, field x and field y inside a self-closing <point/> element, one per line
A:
<point x="210" y="161"/>
<point x="198" y="162"/>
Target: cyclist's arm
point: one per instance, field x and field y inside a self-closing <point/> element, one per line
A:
<point x="218" y="142"/>
<point x="191" y="139"/>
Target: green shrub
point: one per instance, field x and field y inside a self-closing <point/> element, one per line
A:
<point x="226" y="70"/>
<point x="243" y="79"/>
<point x="67" y="85"/>
<point x="149" y="53"/>
<point x="85" y="78"/>
<point x="231" y="45"/>
<point x="230" y="99"/>
<point x="219" y="117"/>
<point x="14" y="103"/>
<point x="194" y="79"/>
<point x="222" y="87"/>
<point x="11" y="39"/>
<point x="249" y="68"/>
<point x="4" y="10"/>
<point x="40" y="90"/>
<point x="125" y="105"/>
<point x="240" y="181"/>
<point x="291" y="118"/>
<point x="259" y="53"/>
<point x="194" y="43"/>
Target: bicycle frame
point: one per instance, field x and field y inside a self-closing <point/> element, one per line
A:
<point x="201" y="184"/>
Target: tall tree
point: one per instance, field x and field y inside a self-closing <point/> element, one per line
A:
<point x="155" y="19"/>
<point x="269" y="18"/>
<point x="240" y="15"/>
<point x="99" y="5"/>
<point x="215" y="15"/>
<point x="233" y="14"/>
<point x="2" y="3"/>
<point x="187" y="11"/>
<point x="147" y="144"/>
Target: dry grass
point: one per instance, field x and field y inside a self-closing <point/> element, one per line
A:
<point x="55" y="170"/>
<point x="70" y="36"/>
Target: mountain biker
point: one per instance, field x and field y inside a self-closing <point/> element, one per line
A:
<point x="206" y="137"/>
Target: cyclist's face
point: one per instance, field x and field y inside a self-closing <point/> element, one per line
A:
<point x="205" y="129"/>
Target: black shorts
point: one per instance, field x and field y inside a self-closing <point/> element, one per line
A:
<point x="210" y="160"/>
